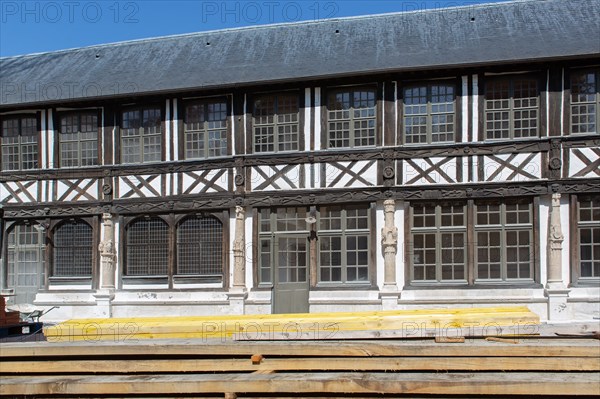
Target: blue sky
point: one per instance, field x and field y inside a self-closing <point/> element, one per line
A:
<point x="38" y="26"/>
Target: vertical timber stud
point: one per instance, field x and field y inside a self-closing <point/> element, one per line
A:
<point x="389" y="244"/>
<point x="555" y="290"/>
<point x="105" y="294"/>
<point x="238" y="293"/>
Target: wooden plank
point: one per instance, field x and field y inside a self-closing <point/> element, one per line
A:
<point x="404" y="323"/>
<point x="303" y="364"/>
<point x="531" y="347"/>
<point x="389" y="383"/>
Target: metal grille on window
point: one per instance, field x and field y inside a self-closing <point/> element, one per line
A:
<point x="585" y="102"/>
<point x="199" y="247"/>
<point x="19" y="143"/>
<point x="429" y="114"/>
<point x="504" y="234"/>
<point x="344" y="244"/>
<point x="276" y="126"/>
<point x="141" y="135"/>
<point x="147" y="248"/>
<point x="72" y="250"/>
<point x="205" y="130"/>
<point x="352" y="118"/>
<point x="439" y="242"/>
<point x="589" y="237"/>
<point x="511" y="108"/>
<point x="79" y="140"/>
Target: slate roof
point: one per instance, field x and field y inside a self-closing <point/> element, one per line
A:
<point x="462" y="36"/>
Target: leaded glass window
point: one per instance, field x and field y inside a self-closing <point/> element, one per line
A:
<point x="585" y="101"/>
<point x="205" y="129"/>
<point x="276" y="123"/>
<point x="78" y="139"/>
<point x="72" y="249"/>
<point x="19" y="143"/>
<point x="141" y="135"/>
<point x="147" y="248"/>
<point x="352" y="118"/>
<point x="511" y="108"/>
<point x="429" y="114"/>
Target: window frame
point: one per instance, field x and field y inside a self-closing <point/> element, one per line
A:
<point x="171" y="278"/>
<point x="58" y="142"/>
<point x="574" y="235"/>
<point x="471" y="263"/>
<point x="37" y="135"/>
<point x="326" y="92"/>
<point x="456" y="103"/>
<point x="141" y="108"/>
<point x="183" y="132"/>
<point x="511" y="77"/>
<point x="251" y="124"/>
<point x="568" y="93"/>
<point x="53" y="252"/>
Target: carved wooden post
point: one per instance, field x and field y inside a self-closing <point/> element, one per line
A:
<point x="556" y="291"/>
<point x="239" y="250"/>
<point x="389" y="243"/>
<point x="105" y="294"/>
<point x="107" y="253"/>
<point x="238" y="293"/>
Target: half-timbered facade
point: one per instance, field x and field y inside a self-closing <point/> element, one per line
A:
<point x="422" y="159"/>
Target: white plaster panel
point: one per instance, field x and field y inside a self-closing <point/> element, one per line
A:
<point x="348" y="174"/>
<point x="30" y="188"/>
<point x="317" y="112"/>
<point x="43" y="143"/>
<point x="50" y="141"/>
<point x="307" y="126"/>
<point x="175" y="131"/>
<point x="248" y="247"/>
<point x="292" y="178"/>
<point x="220" y="183"/>
<point x="465" y="108"/>
<point x="399" y="222"/>
<point x="74" y="195"/>
<point x="578" y="158"/>
<point x="424" y="173"/>
<point x="168" y="137"/>
<point x="380" y="266"/>
<point x="125" y="188"/>
<point x="495" y="171"/>
<point x="475" y="107"/>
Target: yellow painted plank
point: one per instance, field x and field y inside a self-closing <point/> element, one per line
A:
<point x="297" y="326"/>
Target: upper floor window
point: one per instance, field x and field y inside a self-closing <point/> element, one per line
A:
<point x="352" y="118"/>
<point x="276" y="123"/>
<point x="20" y="143"/>
<point x="511" y="108"/>
<point x="205" y="129"/>
<point x="585" y="102"/>
<point x="141" y="135"/>
<point x="73" y="246"/>
<point x="429" y="113"/>
<point x="78" y="139"/>
<point x="588" y="233"/>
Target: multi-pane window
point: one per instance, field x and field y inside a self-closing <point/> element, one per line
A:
<point x="511" y="108"/>
<point x="19" y="143"/>
<point x="141" y="135"/>
<point x="199" y="247"/>
<point x="502" y="242"/>
<point x="504" y="237"/>
<point x="429" y="114"/>
<point x="25" y="257"/>
<point x="283" y="245"/>
<point x="352" y="118"/>
<point x="72" y="250"/>
<point x="439" y="242"/>
<point x="585" y="102"/>
<point x="78" y="139"/>
<point x="276" y="123"/>
<point x="343" y="244"/>
<point x="205" y="129"/>
<point x="588" y="227"/>
<point x="147" y="248"/>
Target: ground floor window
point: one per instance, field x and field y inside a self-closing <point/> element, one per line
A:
<point x="340" y="235"/>
<point x="25" y="261"/>
<point x="588" y="237"/>
<point x="72" y="250"/>
<point x="175" y="246"/>
<point x="501" y="249"/>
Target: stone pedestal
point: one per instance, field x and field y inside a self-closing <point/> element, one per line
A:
<point x="237" y="301"/>
<point x="104" y="299"/>
<point x="557" y="304"/>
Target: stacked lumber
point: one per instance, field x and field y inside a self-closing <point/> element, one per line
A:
<point x="474" y="368"/>
<point x="8" y="318"/>
<point x="422" y="323"/>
